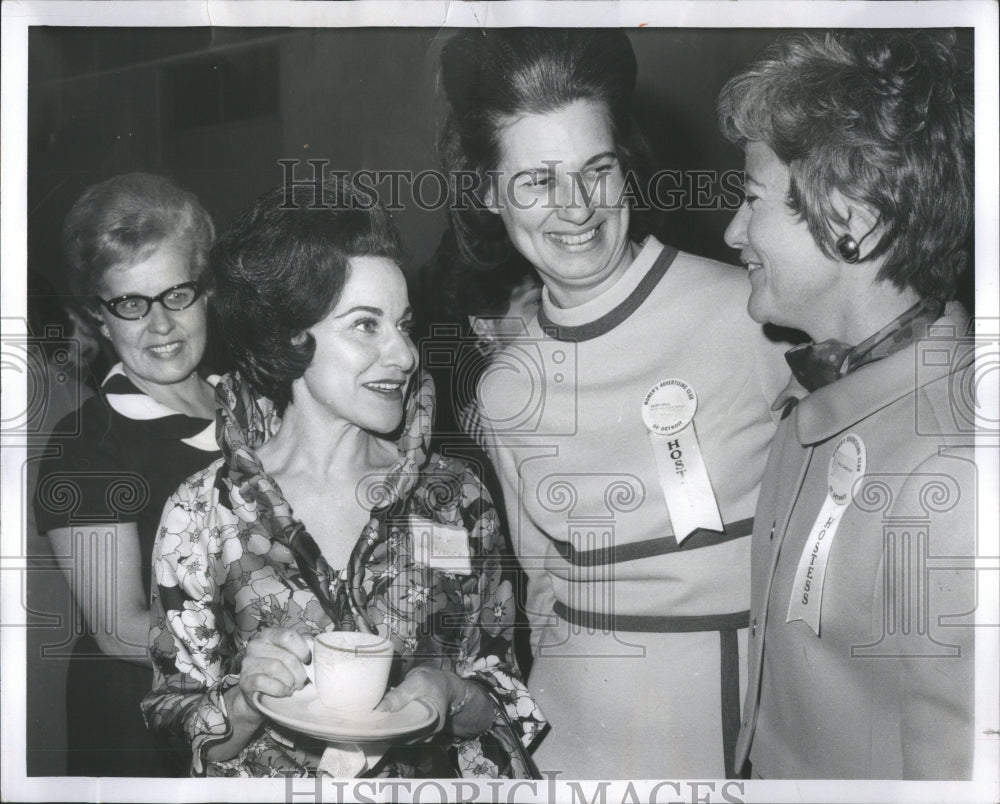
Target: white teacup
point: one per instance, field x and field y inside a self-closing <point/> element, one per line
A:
<point x="351" y="669"/>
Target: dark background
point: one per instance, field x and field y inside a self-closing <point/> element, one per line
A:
<point x="216" y="108"/>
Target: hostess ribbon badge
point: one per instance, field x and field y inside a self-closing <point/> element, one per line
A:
<point x="847" y="467"/>
<point x="668" y="412"/>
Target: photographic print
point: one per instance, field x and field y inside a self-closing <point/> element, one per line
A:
<point x="509" y="401"/>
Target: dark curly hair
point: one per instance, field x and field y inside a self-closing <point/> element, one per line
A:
<point x="124" y="219"/>
<point x="886" y="118"/>
<point x="452" y="291"/>
<point x="280" y="268"/>
<point x="493" y="76"/>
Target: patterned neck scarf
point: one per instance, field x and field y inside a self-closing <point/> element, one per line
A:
<point x="817" y="364"/>
<point x="245" y="422"/>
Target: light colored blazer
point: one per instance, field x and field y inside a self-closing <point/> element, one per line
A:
<point x="885" y="690"/>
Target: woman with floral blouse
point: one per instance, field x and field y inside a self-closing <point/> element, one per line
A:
<point x="310" y="520"/>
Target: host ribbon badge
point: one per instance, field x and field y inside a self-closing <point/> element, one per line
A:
<point x="847" y="467"/>
<point x="668" y="413"/>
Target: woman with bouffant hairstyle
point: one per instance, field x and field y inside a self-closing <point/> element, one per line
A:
<point x="533" y="70"/>
<point x="858" y="211"/>
<point x="638" y="586"/>
<point x="281" y="270"/>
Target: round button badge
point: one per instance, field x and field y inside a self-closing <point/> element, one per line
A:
<point x="847" y="465"/>
<point x="669" y="407"/>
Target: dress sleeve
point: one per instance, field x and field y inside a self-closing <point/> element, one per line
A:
<point x="487" y="653"/>
<point x="193" y="660"/>
<point x="529" y="542"/>
<point x="83" y="476"/>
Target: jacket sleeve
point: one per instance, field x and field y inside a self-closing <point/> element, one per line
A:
<point x="937" y="683"/>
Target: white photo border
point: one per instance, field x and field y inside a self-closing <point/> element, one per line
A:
<point x="18" y="17"/>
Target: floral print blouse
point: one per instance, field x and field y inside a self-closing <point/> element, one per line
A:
<point x="231" y="559"/>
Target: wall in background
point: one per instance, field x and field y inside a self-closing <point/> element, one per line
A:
<point x="217" y="108"/>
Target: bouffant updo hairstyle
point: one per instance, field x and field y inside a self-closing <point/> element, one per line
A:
<point x="280" y="268"/>
<point x="885" y="118"/>
<point x="121" y="221"/>
<point x="491" y="77"/>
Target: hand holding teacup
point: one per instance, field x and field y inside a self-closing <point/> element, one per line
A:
<point x="351" y="671"/>
<point x="274" y="664"/>
<point x="460" y="705"/>
<point x="425" y="683"/>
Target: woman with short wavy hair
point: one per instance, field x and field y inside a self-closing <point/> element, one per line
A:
<point x="137" y="247"/>
<point x="859" y="206"/>
<point x="638" y="582"/>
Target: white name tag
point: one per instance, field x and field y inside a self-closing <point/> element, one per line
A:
<point x="668" y="413"/>
<point x="443" y="547"/>
<point x="847" y="466"/>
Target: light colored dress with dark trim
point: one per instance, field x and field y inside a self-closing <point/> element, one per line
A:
<point x="639" y="642"/>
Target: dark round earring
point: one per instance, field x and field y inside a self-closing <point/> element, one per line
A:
<point x="848" y="248"/>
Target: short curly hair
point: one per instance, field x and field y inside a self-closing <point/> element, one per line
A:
<point x="280" y="268"/>
<point x="885" y="117"/>
<point x="123" y="220"/>
<point x="491" y="77"/>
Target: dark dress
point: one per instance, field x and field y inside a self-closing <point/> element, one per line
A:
<point x="128" y="454"/>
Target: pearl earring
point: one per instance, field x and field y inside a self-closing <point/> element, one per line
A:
<point x="848" y="248"/>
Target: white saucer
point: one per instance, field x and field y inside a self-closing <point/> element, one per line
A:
<point x="303" y="711"/>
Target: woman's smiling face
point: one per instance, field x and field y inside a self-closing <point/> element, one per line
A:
<point x="793" y="283"/>
<point x="165" y="346"/>
<point x="560" y="193"/>
<point x="364" y="356"/>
